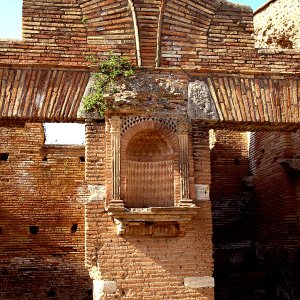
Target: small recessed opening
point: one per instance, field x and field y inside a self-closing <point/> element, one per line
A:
<point x="90" y="292"/>
<point x="4" y="156"/>
<point x="1" y="230"/>
<point x="34" y="229"/>
<point x="82" y="158"/>
<point x="45" y="158"/>
<point x="149" y="158"/>
<point x="74" y="228"/>
<point x="236" y="161"/>
<point x="51" y="294"/>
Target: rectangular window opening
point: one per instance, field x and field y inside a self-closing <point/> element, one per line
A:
<point x="64" y="133"/>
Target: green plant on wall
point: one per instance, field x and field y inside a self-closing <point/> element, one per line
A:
<point x="111" y="69"/>
<point x="84" y="20"/>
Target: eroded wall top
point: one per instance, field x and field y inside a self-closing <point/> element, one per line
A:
<point x="157" y="32"/>
<point x="277" y="24"/>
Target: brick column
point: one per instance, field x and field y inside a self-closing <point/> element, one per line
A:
<point x="183" y="130"/>
<point x="116" y="201"/>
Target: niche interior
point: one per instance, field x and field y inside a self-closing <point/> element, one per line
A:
<point x="150" y="170"/>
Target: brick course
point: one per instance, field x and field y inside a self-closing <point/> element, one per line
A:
<point x="41" y="186"/>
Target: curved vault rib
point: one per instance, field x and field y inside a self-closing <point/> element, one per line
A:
<point x="136" y="33"/>
<point x="159" y="32"/>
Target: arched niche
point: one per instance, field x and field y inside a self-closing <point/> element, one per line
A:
<point x="149" y="169"/>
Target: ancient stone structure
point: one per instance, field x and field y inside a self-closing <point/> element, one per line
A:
<point x="158" y="204"/>
<point x="274" y="165"/>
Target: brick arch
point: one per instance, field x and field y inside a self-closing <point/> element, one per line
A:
<point x="185" y="30"/>
<point x="171" y="140"/>
<point x="237" y="19"/>
<point x="107" y="23"/>
<point x="155" y="125"/>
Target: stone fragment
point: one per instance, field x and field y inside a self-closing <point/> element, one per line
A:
<point x="97" y="192"/>
<point x="103" y="287"/>
<point x="199" y="282"/>
<point x="202" y="192"/>
<point x="200" y="102"/>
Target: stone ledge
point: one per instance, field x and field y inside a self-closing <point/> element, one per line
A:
<point x="154" y="221"/>
<point x="153" y="214"/>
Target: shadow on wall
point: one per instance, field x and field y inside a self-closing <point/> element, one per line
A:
<point x="40" y="262"/>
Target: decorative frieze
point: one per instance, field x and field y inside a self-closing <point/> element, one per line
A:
<point x="157" y="222"/>
<point x="160" y="229"/>
<point x="128" y="122"/>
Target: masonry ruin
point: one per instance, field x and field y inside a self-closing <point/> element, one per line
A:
<point x="170" y="197"/>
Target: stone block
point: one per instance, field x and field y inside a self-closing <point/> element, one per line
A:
<point x="200" y="102"/>
<point x="103" y="287"/>
<point x="199" y="282"/>
<point x="202" y="192"/>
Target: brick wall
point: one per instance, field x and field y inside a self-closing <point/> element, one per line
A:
<point x="233" y="217"/>
<point x="45" y="186"/>
<point x="277" y="188"/>
<point x="192" y="34"/>
<point x="143" y="266"/>
<point x="276" y="201"/>
<point x="52" y="33"/>
<point x="42" y="192"/>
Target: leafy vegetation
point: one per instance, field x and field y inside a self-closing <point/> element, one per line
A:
<point x="111" y="69"/>
<point x="84" y="20"/>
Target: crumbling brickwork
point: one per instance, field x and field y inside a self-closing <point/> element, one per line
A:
<point x="211" y="35"/>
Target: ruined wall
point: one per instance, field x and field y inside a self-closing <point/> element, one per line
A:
<point x="44" y="185"/>
<point x="233" y="217"/>
<point x="277" y="186"/>
<point x="42" y="191"/>
<point x="144" y="266"/>
<point x="193" y="34"/>
<point x="52" y="33"/>
<point x="277" y="211"/>
<point x="277" y="25"/>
